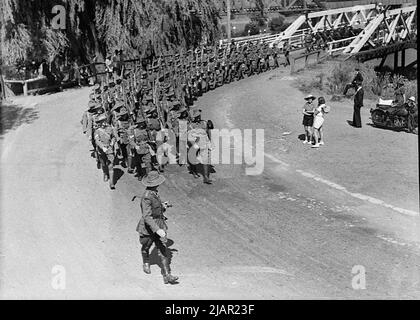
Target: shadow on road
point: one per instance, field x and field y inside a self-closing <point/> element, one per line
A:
<point x="12" y="116"/>
<point x="118" y="173"/>
<point x="387" y="128"/>
<point x="302" y="137"/>
<point x="154" y="258"/>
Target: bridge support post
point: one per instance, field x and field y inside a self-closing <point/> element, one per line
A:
<point x="403" y="58"/>
<point x="25" y="88"/>
<point x="292" y="66"/>
<point x="382" y="62"/>
<point x="229" y="31"/>
<point x="395" y="61"/>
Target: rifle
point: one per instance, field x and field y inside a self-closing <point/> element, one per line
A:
<point x="158" y="107"/>
<point x="125" y="100"/>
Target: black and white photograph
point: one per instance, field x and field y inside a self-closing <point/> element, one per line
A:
<point x="209" y="150"/>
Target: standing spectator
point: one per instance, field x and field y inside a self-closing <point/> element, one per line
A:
<point x="413" y="114"/>
<point x="308" y="118"/>
<point x="399" y="93"/>
<point x="286" y="50"/>
<point x="358" y="103"/>
<point x="357" y="78"/>
<point x="319" y="122"/>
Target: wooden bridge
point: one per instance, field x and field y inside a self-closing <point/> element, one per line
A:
<point x="378" y="31"/>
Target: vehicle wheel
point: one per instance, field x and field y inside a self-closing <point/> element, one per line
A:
<point x="378" y="117"/>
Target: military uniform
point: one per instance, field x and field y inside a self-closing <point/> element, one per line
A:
<point x="199" y="146"/>
<point x="122" y="128"/>
<point x="138" y="140"/>
<point x="105" y="138"/>
<point x="152" y="227"/>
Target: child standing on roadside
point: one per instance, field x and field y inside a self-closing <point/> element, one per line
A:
<point x="319" y="113"/>
<point x="308" y="118"/>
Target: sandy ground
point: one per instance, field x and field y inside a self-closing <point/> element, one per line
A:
<point x="295" y="231"/>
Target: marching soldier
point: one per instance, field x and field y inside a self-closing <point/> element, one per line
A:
<point x="138" y="140"/>
<point x="152" y="227"/>
<point x="122" y="126"/>
<point x="90" y="125"/>
<point x="199" y="146"/>
<point x="154" y="127"/>
<point x="87" y="116"/>
<point x="105" y="139"/>
<point x="309" y="42"/>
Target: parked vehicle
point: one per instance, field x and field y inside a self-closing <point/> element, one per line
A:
<point x="389" y="115"/>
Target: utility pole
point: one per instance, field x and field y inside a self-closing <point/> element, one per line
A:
<point x="229" y="34"/>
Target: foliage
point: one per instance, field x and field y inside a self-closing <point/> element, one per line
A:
<point x="15" y="45"/>
<point x="251" y="29"/>
<point x="375" y="84"/>
<point x="55" y="43"/>
<point x="258" y="19"/>
<point x="276" y="24"/>
<point x="309" y="85"/>
<point x="98" y="27"/>
<point x="343" y="74"/>
<point x="411" y="89"/>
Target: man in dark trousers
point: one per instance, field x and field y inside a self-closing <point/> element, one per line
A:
<point x="358" y="103"/>
<point x="152" y="226"/>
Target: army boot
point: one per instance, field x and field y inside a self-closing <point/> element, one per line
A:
<point x="146" y="268"/>
<point x="111" y="179"/>
<point x="167" y="277"/>
<point x="146" y="263"/>
<point x="130" y="169"/>
<point x="206" y="174"/>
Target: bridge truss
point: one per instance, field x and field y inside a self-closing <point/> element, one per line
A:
<point x="372" y="28"/>
<point x="356" y="17"/>
<point x="249" y="6"/>
<point x="387" y="28"/>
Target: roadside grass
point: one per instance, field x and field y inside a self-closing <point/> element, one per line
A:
<point x="330" y="78"/>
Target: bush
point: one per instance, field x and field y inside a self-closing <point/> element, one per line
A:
<point x="252" y="27"/>
<point x="258" y="18"/>
<point x="276" y="24"/>
<point x="342" y="74"/>
<point x="285" y="26"/>
<point x="310" y="85"/>
<point x="375" y="84"/>
<point x="411" y="89"/>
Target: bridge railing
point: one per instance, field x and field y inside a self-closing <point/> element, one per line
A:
<point x="338" y="45"/>
<point x="295" y="40"/>
<point x="305" y="56"/>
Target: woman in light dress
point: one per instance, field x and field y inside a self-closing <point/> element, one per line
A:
<point x="319" y="119"/>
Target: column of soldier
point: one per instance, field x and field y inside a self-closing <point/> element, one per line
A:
<point x="126" y="114"/>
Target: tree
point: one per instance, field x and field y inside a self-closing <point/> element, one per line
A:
<point x="277" y="23"/>
<point x="97" y="27"/>
<point x="251" y="29"/>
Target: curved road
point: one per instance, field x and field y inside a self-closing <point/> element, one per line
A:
<point x="298" y="230"/>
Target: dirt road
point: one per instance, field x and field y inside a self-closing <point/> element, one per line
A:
<point x="295" y="231"/>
